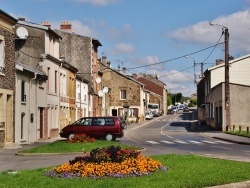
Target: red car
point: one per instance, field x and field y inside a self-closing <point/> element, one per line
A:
<point x="109" y="128"/>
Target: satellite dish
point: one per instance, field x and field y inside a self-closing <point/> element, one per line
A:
<point x="105" y="90"/>
<point x="98" y="80"/>
<point x="22" y="32"/>
<point x="100" y="93"/>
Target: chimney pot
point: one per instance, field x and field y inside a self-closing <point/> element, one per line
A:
<point x="66" y="26"/>
<point x="21" y="18"/>
<point x="47" y="24"/>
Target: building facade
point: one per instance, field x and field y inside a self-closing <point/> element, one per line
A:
<point x="7" y="78"/>
<point x="211" y="107"/>
<point x="82" y="53"/>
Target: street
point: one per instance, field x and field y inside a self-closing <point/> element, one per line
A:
<point x="172" y="134"/>
<point x="169" y="134"/>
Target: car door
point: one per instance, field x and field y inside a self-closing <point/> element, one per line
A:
<point x="84" y="126"/>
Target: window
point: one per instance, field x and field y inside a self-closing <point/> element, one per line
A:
<point x="55" y="81"/>
<point x="22" y="125"/>
<point x="109" y="122"/>
<point x="48" y="80"/>
<point x="23" y="96"/>
<point x="123" y="95"/>
<point x="2" y="64"/>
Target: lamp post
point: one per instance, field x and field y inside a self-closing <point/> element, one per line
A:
<point x="227" y="89"/>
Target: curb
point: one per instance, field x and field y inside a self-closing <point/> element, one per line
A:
<point x="230" y="140"/>
<point x="39" y="154"/>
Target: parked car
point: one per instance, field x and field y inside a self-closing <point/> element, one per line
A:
<point x="149" y="115"/>
<point x="175" y="109"/>
<point x="186" y="109"/>
<point x="170" y="111"/>
<point x="109" y="128"/>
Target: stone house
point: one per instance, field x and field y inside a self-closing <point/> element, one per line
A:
<point x="82" y="97"/>
<point x="7" y="78"/>
<point x="124" y="96"/>
<point x="156" y="88"/>
<point x="82" y="53"/>
<point x="40" y="74"/>
<point x="67" y="94"/>
<point x="211" y="95"/>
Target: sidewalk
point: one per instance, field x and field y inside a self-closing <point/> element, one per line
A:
<point x="210" y="132"/>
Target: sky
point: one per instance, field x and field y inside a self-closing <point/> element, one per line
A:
<point x="167" y="38"/>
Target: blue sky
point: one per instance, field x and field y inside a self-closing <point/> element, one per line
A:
<point x="163" y="37"/>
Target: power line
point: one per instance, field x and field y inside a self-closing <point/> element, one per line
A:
<point x="176" y="57"/>
<point x="176" y="72"/>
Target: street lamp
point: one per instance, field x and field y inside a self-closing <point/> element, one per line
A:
<point x="227" y="89"/>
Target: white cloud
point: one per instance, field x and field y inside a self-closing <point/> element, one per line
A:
<point x="98" y="2"/>
<point x="122" y="33"/>
<point x="123" y="48"/>
<point x="202" y="33"/>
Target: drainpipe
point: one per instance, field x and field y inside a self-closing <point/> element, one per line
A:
<point x="35" y="75"/>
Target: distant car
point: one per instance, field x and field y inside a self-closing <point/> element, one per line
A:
<point x="149" y="115"/>
<point x="175" y="109"/>
<point x="110" y="127"/>
<point x="170" y="111"/>
<point x="186" y="109"/>
<point x="181" y="107"/>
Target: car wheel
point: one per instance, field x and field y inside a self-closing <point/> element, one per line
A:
<point x="71" y="136"/>
<point x="110" y="137"/>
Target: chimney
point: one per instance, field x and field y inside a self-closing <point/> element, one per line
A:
<point x="66" y="26"/>
<point x="21" y="18"/>
<point x="104" y="59"/>
<point x="124" y="70"/>
<point x="219" y="61"/>
<point x="47" y="24"/>
<point x="108" y="64"/>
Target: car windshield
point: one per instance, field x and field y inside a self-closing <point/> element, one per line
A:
<point x="152" y="106"/>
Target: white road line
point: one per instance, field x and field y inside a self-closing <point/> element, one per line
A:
<point x="153" y="142"/>
<point x="224" y="142"/>
<point x="222" y="148"/>
<point x="167" y="142"/>
<point x="180" y="141"/>
<point x="209" y="142"/>
<point x="195" y="142"/>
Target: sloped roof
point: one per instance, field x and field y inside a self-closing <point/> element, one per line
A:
<point x="122" y="74"/>
<point x="151" y="86"/>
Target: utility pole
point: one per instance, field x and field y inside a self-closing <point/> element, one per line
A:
<point x="227" y="85"/>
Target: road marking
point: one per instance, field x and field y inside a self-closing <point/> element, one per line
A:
<point x="153" y="142"/>
<point x="209" y="142"/>
<point x="222" y="148"/>
<point x="180" y="141"/>
<point x="224" y="142"/>
<point x="167" y="142"/>
<point x="195" y="142"/>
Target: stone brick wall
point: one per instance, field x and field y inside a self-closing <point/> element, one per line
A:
<point x="8" y="81"/>
<point x="2" y="138"/>
<point x="77" y="52"/>
<point x="119" y="82"/>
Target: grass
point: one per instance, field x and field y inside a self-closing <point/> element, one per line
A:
<point x="240" y="133"/>
<point x="61" y="146"/>
<point x="183" y="171"/>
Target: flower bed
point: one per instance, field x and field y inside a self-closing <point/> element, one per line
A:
<point x="80" y="138"/>
<point x="107" y="162"/>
